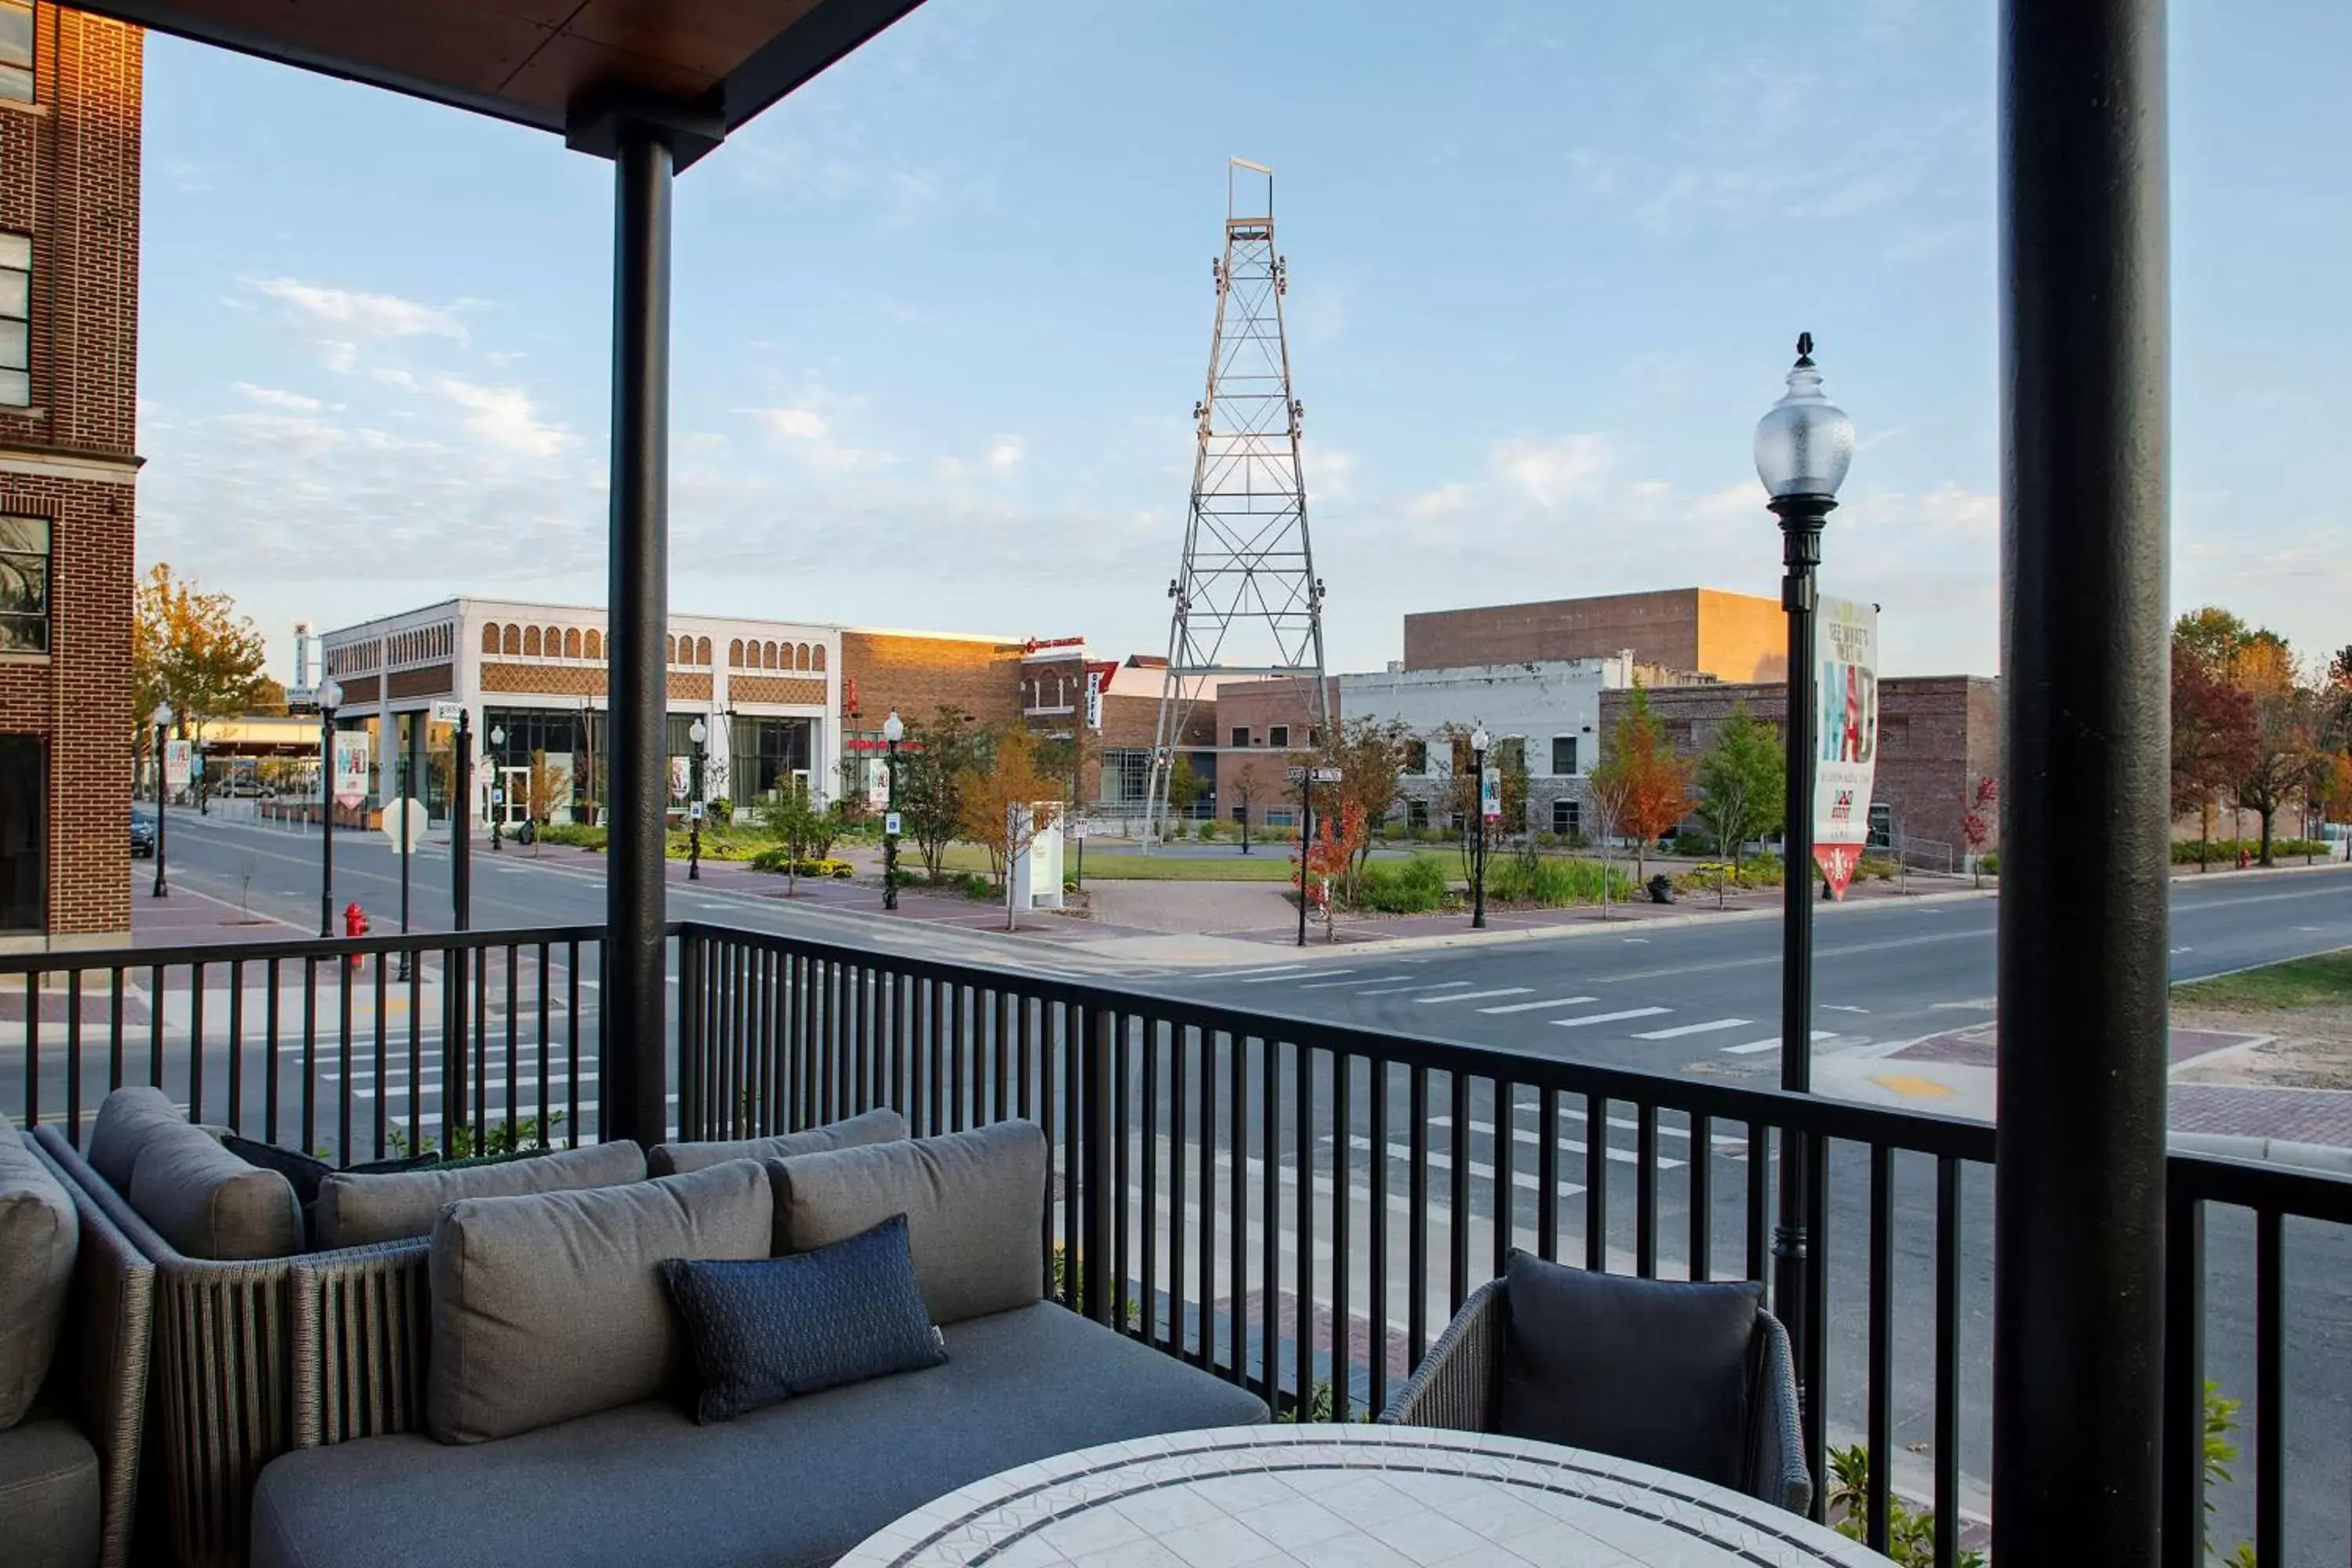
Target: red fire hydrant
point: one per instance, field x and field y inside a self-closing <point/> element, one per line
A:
<point x="356" y="923"/>
<point x="2241" y="857"/>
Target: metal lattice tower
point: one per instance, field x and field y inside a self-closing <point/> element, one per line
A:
<point x="1246" y="600"/>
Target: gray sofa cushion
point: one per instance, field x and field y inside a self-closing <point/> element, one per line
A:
<point x="550" y="1306"/>
<point x="40" y="1235"/>
<point x="881" y="1125"/>
<point x="790" y="1487"/>
<point x="209" y="1203"/>
<point x="974" y="1202"/>
<point x="353" y="1210"/>
<point x="49" y="1514"/>
<point x="126" y="1119"/>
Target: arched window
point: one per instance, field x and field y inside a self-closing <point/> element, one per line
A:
<point x="702" y="651"/>
<point x="490" y="640"/>
<point x="552" y="641"/>
<point x="818" y="657"/>
<point x="513" y="638"/>
<point x="800" y="655"/>
<point x="571" y="642"/>
<point x="529" y="641"/>
<point x="767" y="656"/>
<point x="594" y="643"/>
<point x="669" y="650"/>
<point x="734" y="653"/>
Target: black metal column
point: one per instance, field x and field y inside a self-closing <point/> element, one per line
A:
<point x="2078" y="1252"/>
<point x="461" y="827"/>
<point x="635" y="1036"/>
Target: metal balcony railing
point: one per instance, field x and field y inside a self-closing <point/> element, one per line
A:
<point x="1295" y="1205"/>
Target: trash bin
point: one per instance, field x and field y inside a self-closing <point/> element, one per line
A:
<point x="1661" y="888"/>
<point x="528" y="833"/>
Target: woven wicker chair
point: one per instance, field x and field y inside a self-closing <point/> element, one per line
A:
<point x="1454" y="1386"/>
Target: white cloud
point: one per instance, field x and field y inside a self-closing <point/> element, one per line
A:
<point x="505" y="416"/>
<point x="1553" y="472"/>
<point x="356" y="313"/>
<point x="805" y="424"/>
<point x="275" y="398"/>
<point x="1005" y="453"/>
<point x="1444" y="502"/>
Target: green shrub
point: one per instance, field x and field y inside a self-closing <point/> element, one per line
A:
<point x="777" y="858"/>
<point x="1880" y="867"/>
<point x="721" y="810"/>
<point x="1551" y="881"/>
<point x="1177" y="828"/>
<point x="576" y="835"/>
<point x="1988" y="862"/>
<point x="1693" y="844"/>
<point x="2224" y="851"/>
<point x="1405" y="888"/>
<point x="1209" y="829"/>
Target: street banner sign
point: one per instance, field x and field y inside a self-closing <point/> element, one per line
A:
<point x="448" y="712"/>
<point x="890" y="823"/>
<point x="352" y="751"/>
<point x="1490" y="794"/>
<point x="1296" y="776"/>
<point x="1093" y="699"/>
<point x="196" y="765"/>
<point x="178" y="759"/>
<point x="1329" y="775"/>
<point x="1078" y="828"/>
<point x="1845" y="757"/>
<point x="681" y="776"/>
<point x="694" y="812"/>
<point x="404" y="823"/>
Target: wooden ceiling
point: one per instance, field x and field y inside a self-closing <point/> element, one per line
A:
<point x="558" y="65"/>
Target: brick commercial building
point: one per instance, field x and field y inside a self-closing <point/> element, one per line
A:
<point x="1936" y="736"/>
<point x="1731" y="636"/>
<point x="69" y="129"/>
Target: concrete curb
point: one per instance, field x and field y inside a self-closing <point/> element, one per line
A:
<point x="2324" y="1158"/>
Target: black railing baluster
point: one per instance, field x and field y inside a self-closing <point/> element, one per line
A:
<point x="1092" y="1047"/>
<point x="571" y="1044"/>
<point x="236" y="1039"/>
<point x="546" y="1049"/>
<point x="196" y="1040"/>
<point x="943" y="1118"/>
<point x="1878" y="1385"/>
<point x="415" y="1045"/>
<point x="1180" y="1086"/>
<point x="1376" y="1207"/>
<point x="1122" y="1096"/>
<point x="33" y="1048"/>
<point x="1760" y="1175"/>
<point x="477" y="1057"/>
<point x="1947" y="1373"/>
<point x="1812" y="1345"/>
<point x="1207" y="1314"/>
<point x="344" y="973"/>
<point x="1458" y="1100"/>
<point x="310" y="1055"/>
<point x="961" y="1086"/>
<point x="115" y="1011"/>
<point x="1645" y="1190"/>
<point x="1302" y="1276"/>
<point x="1416" y="1245"/>
<point x="154" y="1022"/>
<point x="1343" y="1164"/>
<point x="1150" y="1148"/>
<point x="1238" y="1197"/>
<point x="383" y="1058"/>
<point x="1546" y="1174"/>
<point x="2270" y="1388"/>
<point x="1504" y="1186"/>
<point x="1270" y="1193"/>
<point x="1596" y="1182"/>
<point x="1701" y="1263"/>
<point x="514" y="1040"/>
<point x="73" y="1061"/>
<point x="269" y="1022"/>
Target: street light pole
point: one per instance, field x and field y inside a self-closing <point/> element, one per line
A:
<point x="699" y="732"/>
<point x="1803" y="447"/>
<point x="330" y="697"/>
<point x="1478" y="740"/>
<point x="498" y="812"/>
<point x="461" y="831"/>
<point x="163" y="717"/>
<point x="894" y="730"/>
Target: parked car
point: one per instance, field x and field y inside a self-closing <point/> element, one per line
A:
<point x="142" y="834"/>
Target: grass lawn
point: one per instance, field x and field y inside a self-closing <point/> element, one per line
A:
<point x="2320" y="980"/>
<point x="1264" y="863"/>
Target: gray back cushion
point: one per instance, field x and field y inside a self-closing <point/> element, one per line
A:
<point x="39" y="1234"/>
<point x="974" y="1202"/>
<point x="1653" y="1370"/>
<point x="127" y="1118"/>
<point x="552" y="1306"/>
<point x="880" y="1125"/>
<point x="354" y="1209"/>
<point x="209" y="1203"/>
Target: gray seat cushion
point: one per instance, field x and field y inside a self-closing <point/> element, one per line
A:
<point x="209" y="1203"/>
<point x="796" y="1484"/>
<point x="127" y="1118"/>
<point x="49" y="1514"/>
<point x="974" y="1202"/>
<point x="40" y="1235"/>
<point x="881" y="1125"/>
<point x="551" y="1305"/>
<point x="354" y="1210"/>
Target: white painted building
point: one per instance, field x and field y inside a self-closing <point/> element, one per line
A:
<point x="533" y="679"/>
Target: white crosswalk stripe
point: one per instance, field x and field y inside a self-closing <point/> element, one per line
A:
<point x="1269" y="979"/>
<point x="1679" y="1030"/>
<point x="1262" y="969"/>
<point x="1539" y="1007"/>
<point x="1423" y="985"/>
<point x="1580" y="1023"/>
<point x="1480" y="995"/>
<point x="1366" y="980"/>
<point x="1756" y="1047"/>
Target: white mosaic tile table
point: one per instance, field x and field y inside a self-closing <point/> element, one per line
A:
<point x="1348" y="1497"/>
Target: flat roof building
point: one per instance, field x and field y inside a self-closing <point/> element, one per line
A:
<point x="1731" y="636"/>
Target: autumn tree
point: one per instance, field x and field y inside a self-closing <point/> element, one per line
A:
<point x="2335" y="795"/>
<point x="1183" y="785"/>
<point x="1977" y="821"/>
<point x="1605" y="792"/>
<point x="1006" y="801"/>
<point x="1743" y="785"/>
<point x="939" y="753"/>
<point x="1331" y="856"/>
<point x="1245" y="788"/>
<point x="192" y="649"/>
<point x="1371" y="754"/>
<point x="1657" y="781"/>
<point x="2214" y="734"/>
<point x="798" y="824"/>
<point x="2274" y="777"/>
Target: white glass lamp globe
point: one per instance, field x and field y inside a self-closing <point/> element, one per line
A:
<point x="1804" y="443"/>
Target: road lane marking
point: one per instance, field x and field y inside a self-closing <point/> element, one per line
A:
<point x="1262" y="969"/>
<point x="1607" y="1017"/>
<point x="1269" y="979"/>
<point x="1754" y="1047"/>
<point x="1912" y="1086"/>
<point x="1365" y="980"/>
<point x="1985" y="1005"/>
<point x="1481" y="996"/>
<point x="1536" y="1006"/>
<point x="1678" y="1031"/>
<point x="1420" y="986"/>
<point x="1833" y="1008"/>
<point x="1439" y="1159"/>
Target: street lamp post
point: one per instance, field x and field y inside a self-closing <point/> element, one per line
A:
<point x="497" y="816"/>
<point x="1478" y="742"/>
<point x="162" y="720"/>
<point x="461" y="831"/>
<point x="330" y="697"/>
<point x="697" y="732"/>
<point x="894" y="730"/>
<point x="1803" y="446"/>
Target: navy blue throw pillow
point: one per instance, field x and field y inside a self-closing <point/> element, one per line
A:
<point x="767" y="1329"/>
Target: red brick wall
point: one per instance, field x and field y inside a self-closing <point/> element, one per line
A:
<point x="1735" y="637"/>
<point x="917" y="675"/>
<point x="69" y="177"/>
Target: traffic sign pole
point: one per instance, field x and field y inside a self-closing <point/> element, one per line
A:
<point x="461" y="828"/>
<point x="1306" y="842"/>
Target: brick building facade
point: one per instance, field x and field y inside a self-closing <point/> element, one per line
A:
<point x="1731" y="636"/>
<point x="69" y="166"/>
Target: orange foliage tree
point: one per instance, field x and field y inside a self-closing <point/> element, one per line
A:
<point x="1331" y="856"/>
<point x="1654" y="781"/>
<point x="992" y="792"/>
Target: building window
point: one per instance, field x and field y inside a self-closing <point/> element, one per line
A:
<point x="1240" y="734"/>
<point x="1563" y="755"/>
<point x="512" y="639"/>
<point x="1281" y="817"/>
<point x="767" y="757"/>
<point x="1416" y="756"/>
<point x="16" y="314"/>
<point x="594" y="643"/>
<point x="1126" y="777"/>
<point x="1567" y="818"/>
<point x="23" y="585"/>
<point x="1416" y="814"/>
<point x="23" y="833"/>
<point x="817" y="658"/>
<point x="702" y="650"/>
<point x="1278" y="736"/>
<point x="16" y="50"/>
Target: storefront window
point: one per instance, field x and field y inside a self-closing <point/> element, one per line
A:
<point x="770" y="754"/>
<point x="24" y="834"/>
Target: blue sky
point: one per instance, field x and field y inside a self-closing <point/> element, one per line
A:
<point x="942" y="317"/>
